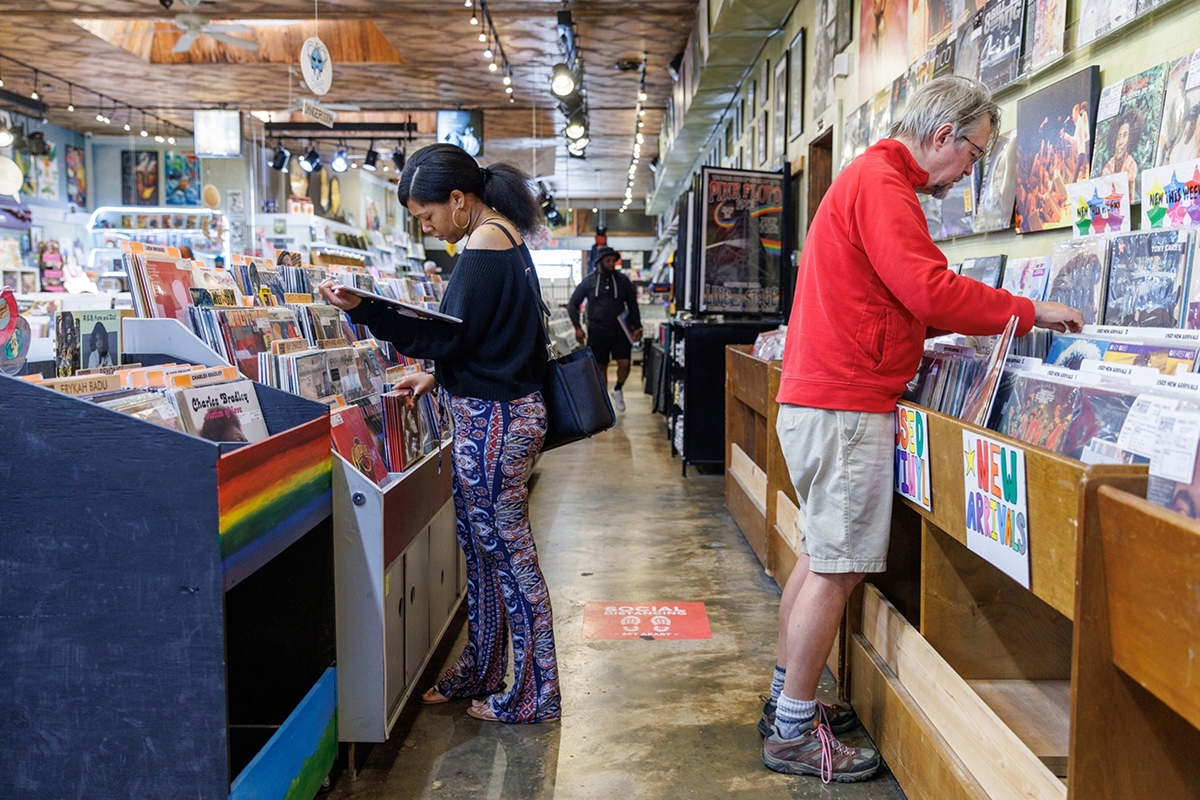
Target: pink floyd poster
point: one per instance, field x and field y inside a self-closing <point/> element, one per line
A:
<point x="139" y="177"/>
<point x="741" y="235"/>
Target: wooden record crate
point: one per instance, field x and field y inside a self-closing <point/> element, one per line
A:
<point x="151" y="574"/>
<point x="948" y="650"/>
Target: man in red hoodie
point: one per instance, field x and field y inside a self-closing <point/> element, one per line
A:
<point x="871" y="287"/>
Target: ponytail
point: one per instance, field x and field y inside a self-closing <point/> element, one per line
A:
<point x="433" y="172"/>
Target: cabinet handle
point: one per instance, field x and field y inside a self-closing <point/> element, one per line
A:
<point x="443" y="576"/>
<point x="412" y="595"/>
<point x="400" y="607"/>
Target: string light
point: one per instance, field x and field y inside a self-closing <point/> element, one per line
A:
<point x="493" y="51"/>
<point x="34" y="94"/>
<point x="638" y="137"/>
<point x="70" y="98"/>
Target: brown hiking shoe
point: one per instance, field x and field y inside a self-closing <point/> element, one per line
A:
<point x="816" y="751"/>
<point x="839" y="719"/>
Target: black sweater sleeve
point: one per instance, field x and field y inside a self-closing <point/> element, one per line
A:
<point x="577" y="298"/>
<point x="472" y="295"/>
<point x="631" y="303"/>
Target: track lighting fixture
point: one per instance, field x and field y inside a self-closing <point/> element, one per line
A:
<point x="6" y="136"/>
<point x="279" y="162"/>
<point x="576" y="126"/>
<point x="311" y="161"/>
<point x="398" y="158"/>
<point x="341" y="161"/>
<point x="372" y="157"/>
<point x="562" y="80"/>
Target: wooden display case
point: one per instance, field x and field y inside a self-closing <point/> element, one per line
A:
<point x="151" y="573"/>
<point x="950" y="649"/>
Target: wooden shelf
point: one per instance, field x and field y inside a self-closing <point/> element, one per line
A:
<point x="1038" y="712"/>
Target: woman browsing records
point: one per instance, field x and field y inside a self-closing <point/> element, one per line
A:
<point x="491" y="365"/>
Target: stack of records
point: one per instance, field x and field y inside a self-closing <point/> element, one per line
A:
<point x="403" y="431"/>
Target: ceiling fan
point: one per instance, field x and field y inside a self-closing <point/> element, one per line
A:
<point x="196" y="25"/>
<point x="296" y="102"/>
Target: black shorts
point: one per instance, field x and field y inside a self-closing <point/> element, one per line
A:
<point x="609" y="344"/>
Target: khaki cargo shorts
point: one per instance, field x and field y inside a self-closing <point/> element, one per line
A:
<point x="841" y="463"/>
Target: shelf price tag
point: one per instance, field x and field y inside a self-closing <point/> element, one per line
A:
<point x="997" y="506"/>
<point x="912" y="457"/>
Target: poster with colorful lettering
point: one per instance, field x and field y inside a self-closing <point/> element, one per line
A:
<point x="1054" y="148"/>
<point x="1171" y="196"/>
<point x="882" y="44"/>
<point x="997" y="505"/>
<point x="912" y="456"/>
<point x="741" y="233"/>
<point x="1100" y="205"/>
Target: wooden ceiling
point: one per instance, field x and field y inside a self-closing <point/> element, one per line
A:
<point x="441" y="66"/>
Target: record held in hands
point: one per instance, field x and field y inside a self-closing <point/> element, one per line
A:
<point x="406" y="309"/>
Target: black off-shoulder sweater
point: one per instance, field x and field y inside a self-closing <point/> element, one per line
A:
<point x="498" y="352"/>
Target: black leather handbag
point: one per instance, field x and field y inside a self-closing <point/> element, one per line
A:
<point x="577" y="404"/>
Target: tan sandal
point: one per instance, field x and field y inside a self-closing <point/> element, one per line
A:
<point x="433" y="697"/>
<point x="481" y="710"/>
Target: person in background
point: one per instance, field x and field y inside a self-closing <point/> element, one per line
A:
<point x="492" y="365"/>
<point x="871" y="287"/>
<point x="608" y="295"/>
<point x="431" y="269"/>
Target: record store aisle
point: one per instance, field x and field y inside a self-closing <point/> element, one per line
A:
<point x="644" y="720"/>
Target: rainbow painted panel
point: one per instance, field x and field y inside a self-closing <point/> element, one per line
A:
<point x="271" y="493"/>
<point x="293" y="764"/>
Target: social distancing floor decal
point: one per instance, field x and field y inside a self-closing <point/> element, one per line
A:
<point x="604" y="620"/>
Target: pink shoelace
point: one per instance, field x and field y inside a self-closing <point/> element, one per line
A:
<point x="829" y="746"/>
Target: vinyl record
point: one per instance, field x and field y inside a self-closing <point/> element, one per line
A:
<point x="12" y="355"/>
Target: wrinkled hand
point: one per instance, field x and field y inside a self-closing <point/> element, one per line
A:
<point x="417" y="384"/>
<point x="1057" y="317"/>
<point x="580" y="337"/>
<point x="334" y="295"/>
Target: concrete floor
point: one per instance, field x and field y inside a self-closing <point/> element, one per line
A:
<point x="643" y="720"/>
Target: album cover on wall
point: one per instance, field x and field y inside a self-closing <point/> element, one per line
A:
<point x="1147" y="274"/>
<point x="1044" y="38"/>
<point x="994" y="212"/>
<point x="139" y="177"/>
<point x="1077" y="271"/>
<point x="1100" y="205"/>
<point x="1098" y="17"/>
<point x="461" y="128"/>
<point x="741" y="242"/>
<point x="1169" y="196"/>
<point x="1027" y="277"/>
<point x="1125" y="141"/>
<point x="968" y="40"/>
<point x="824" y="43"/>
<point x="882" y="44"/>
<point x="1000" y="47"/>
<point x="1179" y="128"/>
<point x="1054" y="148"/>
<point x="953" y="215"/>
<point x="988" y="270"/>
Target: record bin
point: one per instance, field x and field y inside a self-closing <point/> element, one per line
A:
<point x="400" y="578"/>
<point x="946" y="647"/>
<point x="166" y="616"/>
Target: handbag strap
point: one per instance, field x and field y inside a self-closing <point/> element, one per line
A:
<point x="544" y="310"/>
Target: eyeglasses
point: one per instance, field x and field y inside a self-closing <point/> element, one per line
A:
<point x="980" y="151"/>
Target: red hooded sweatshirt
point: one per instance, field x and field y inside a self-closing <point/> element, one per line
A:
<point x="872" y="285"/>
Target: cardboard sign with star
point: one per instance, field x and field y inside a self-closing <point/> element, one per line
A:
<point x="997" y="511"/>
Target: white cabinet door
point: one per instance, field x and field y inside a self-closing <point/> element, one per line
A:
<point x="416" y="612"/>
<point x="395" y="601"/>
<point x="443" y="568"/>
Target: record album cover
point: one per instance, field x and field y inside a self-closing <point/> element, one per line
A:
<point x="1054" y="148"/>
<point x="1165" y="358"/>
<point x="353" y="441"/>
<point x="882" y="44"/>
<point x="1100" y="205"/>
<point x="1000" y="48"/>
<point x="1039" y="411"/>
<point x="1098" y="17"/>
<point x="968" y="42"/>
<point x="1179" y="128"/>
<point x="1049" y="28"/>
<point x="994" y="211"/>
<point x="170" y="286"/>
<point x="986" y="269"/>
<point x="1072" y="349"/>
<point x="99" y="338"/>
<point x="1027" y="277"/>
<point x="1125" y="141"/>
<point x="223" y="412"/>
<point x="1147" y="275"/>
<point x="1077" y="271"/>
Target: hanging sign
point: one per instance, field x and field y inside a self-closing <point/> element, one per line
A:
<point x="912" y="456"/>
<point x="317" y="114"/>
<point x="316" y="66"/>
<point x="997" y="513"/>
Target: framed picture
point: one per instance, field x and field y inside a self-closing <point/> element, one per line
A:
<point x="764" y="76"/>
<point x="462" y="128"/>
<point x="750" y="105"/>
<point x="843" y="25"/>
<point x="795" y="88"/>
<point x="762" y="138"/>
<point x="139" y="177"/>
<point x="729" y="139"/>
<point x="780" y="111"/>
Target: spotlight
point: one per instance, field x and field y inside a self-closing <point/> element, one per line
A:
<point x="575" y="150"/>
<point x="279" y="162"/>
<point x="398" y="157"/>
<point x="576" y="126"/>
<point x="6" y="136"/>
<point x="487" y="53"/>
<point x="562" y="80"/>
<point x="311" y="161"/>
<point x="341" y="161"/>
<point x="353" y="165"/>
<point x="372" y="157"/>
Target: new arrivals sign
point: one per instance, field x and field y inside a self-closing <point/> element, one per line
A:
<point x="997" y="513"/>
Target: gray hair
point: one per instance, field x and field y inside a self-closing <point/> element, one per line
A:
<point x="954" y="99"/>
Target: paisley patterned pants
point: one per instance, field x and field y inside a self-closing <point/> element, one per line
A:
<point x="494" y="446"/>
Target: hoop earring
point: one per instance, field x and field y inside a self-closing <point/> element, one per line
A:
<point x="454" y="218"/>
